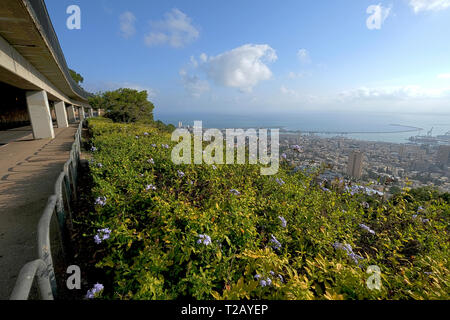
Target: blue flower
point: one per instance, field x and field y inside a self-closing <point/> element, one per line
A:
<point x="363" y="226"/>
<point x="263" y="283"/>
<point x="280" y="181"/>
<point x="153" y="145"/>
<point x="96" y="289"/>
<point x="145" y="133"/>
<point x="283" y="221"/>
<point x="93" y="149"/>
<point x="150" y="187"/>
<point x="100" y="201"/>
<point x="165" y="146"/>
<point x="151" y="161"/>
<point x="97" y="239"/>
<point x="102" y="234"/>
<point x="235" y="192"/>
<point x="355" y="257"/>
<point x="205" y="239"/>
<point x="257" y="276"/>
<point x="99" y="165"/>
<point x="180" y="173"/>
<point x="348" y="249"/>
<point x="275" y="243"/>
<point x="284" y="156"/>
<point x="297" y="148"/>
<point x="281" y="278"/>
<point x="214" y="167"/>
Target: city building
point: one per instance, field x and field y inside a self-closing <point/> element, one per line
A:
<point x="443" y="155"/>
<point x="354" y="167"/>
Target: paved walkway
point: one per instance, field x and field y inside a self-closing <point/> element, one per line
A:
<point x="28" y="172"/>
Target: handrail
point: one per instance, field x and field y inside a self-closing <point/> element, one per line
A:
<point x="43" y="266"/>
<point x="25" y="281"/>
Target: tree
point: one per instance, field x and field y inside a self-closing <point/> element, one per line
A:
<point x="76" y="76"/>
<point x="124" y="105"/>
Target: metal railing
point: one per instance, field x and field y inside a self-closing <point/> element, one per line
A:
<point x="58" y="206"/>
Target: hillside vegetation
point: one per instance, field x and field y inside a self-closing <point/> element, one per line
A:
<point x="162" y="231"/>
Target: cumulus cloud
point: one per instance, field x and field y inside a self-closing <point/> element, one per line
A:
<point x="378" y="14"/>
<point x="297" y="75"/>
<point x="444" y="76"/>
<point x="193" y="84"/>
<point x="395" y="93"/>
<point x="109" y="86"/>
<point x="287" y="91"/>
<point x="127" y="21"/>
<point x="242" y="68"/>
<point x="175" y="30"/>
<point x="203" y="57"/>
<point x="429" y="5"/>
<point x="303" y="56"/>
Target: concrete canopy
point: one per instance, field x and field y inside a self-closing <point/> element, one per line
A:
<point x="30" y="55"/>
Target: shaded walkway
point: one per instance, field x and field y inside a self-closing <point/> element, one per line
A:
<point x="28" y="172"/>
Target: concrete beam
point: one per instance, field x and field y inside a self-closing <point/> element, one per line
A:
<point x="61" y="114"/>
<point x="40" y="116"/>
<point x="91" y="112"/>
<point x="81" y="113"/>
<point x="71" y="114"/>
<point x="17" y="71"/>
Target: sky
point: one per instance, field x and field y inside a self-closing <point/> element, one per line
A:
<point x="261" y="56"/>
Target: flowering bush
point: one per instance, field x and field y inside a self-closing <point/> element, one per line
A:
<point x="230" y="233"/>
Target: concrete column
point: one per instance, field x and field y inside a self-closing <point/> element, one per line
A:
<point x="91" y="112"/>
<point x="81" y="113"/>
<point x="71" y="114"/>
<point x="40" y="116"/>
<point x="61" y="114"/>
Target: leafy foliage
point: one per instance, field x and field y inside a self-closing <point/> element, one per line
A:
<point x="124" y="105"/>
<point x="187" y="235"/>
<point x="76" y="76"/>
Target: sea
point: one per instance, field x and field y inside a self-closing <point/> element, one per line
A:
<point x="382" y="127"/>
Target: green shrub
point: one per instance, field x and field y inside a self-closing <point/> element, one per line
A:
<point x="154" y="250"/>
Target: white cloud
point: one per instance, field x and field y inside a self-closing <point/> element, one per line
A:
<point x="127" y="21"/>
<point x="109" y="86"/>
<point x="287" y="91"/>
<point x="429" y="5"/>
<point x="193" y="84"/>
<point x="175" y="30"/>
<point x="395" y="93"/>
<point x="378" y="14"/>
<point x="243" y="67"/>
<point x="194" y="62"/>
<point x="294" y="75"/>
<point x="203" y="57"/>
<point x="444" y="76"/>
<point x="303" y="56"/>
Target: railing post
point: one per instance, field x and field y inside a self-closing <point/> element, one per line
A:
<point x="25" y="279"/>
<point x="44" y="250"/>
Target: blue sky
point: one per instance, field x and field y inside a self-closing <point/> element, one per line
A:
<point x="265" y="56"/>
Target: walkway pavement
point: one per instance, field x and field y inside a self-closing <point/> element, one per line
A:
<point x="28" y="172"/>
